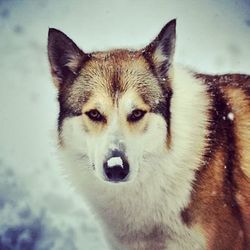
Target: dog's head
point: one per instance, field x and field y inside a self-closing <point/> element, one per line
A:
<point x="114" y="106"/>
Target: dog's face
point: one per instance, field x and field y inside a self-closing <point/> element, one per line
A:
<point x="114" y="106"/>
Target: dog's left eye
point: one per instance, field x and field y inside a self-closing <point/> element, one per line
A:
<point x="95" y="115"/>
<point x="136" y="115"/>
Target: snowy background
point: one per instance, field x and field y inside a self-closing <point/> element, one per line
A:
<point x="38" y="208"/>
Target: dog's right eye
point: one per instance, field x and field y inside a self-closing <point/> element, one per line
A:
<point x="95" y="115"/>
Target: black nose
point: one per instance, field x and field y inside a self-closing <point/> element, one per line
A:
<point x="116" y="167"/>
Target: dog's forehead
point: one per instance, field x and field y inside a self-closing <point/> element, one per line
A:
<point x="117" y="72"/>
<point x="116" y="55"/>
<point x="111" y="69"/>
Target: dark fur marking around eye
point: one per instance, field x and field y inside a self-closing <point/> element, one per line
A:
<point x="163" y="108"/>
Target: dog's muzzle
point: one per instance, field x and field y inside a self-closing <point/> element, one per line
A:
<point x="116" y="167"/>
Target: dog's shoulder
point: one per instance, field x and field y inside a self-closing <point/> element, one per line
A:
<point x="235" y="90"/>
<point x="230" y="95"/>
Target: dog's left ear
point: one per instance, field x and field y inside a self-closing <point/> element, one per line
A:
<point x="161" y="51"/>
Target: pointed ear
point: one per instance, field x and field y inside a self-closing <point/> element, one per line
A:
<point x="64" y="56"/>
<point x="161" y="51"/>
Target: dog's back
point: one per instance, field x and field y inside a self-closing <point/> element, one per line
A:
<point x="221" y="192"/>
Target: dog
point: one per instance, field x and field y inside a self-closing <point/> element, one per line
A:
<point x="161" y="153"/>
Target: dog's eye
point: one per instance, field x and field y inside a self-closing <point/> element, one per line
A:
<point x="95" y="115"/>
<point x="136" y="115"/>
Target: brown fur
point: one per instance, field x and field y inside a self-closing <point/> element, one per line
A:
<point x="221" y="193"/>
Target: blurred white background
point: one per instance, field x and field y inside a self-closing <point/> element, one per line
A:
<point x="38" y="209"/>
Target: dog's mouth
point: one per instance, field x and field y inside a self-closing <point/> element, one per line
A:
<point x="116" y="167"/>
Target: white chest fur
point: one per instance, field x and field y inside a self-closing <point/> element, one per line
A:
<point x="146" y="215"/>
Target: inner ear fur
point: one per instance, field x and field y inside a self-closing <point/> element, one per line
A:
<point x="160" y="52"/>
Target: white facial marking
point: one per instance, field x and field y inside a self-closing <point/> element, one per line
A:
<point x="128" y="105"/>
<point x="114" y="161"/>
<point x="113" y="146"/>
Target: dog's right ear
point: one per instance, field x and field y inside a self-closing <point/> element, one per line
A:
<point x="64" y="56"/>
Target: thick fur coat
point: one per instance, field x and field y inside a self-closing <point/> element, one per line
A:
<point x="182" y="140"/>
